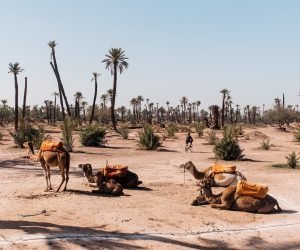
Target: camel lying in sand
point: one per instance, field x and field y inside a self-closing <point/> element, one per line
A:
<point x="59" y="157"/>
<point x="130" y="180"/>
<point x="219" y="179"/>
<point x="229" y="200"/>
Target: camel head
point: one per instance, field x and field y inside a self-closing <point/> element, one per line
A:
<point x="87" y="169"/>
<point x="205" y="185"/>
<point x="187" y="166"/>
<point x="29" y="146"/>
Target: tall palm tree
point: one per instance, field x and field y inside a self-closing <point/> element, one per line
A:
<point x="110" y="95"/>
<point x="198" y="103"/>
<point x="96" y="75"/>
<point x="78" y="97"/>
<point x="184" y="101"/>
<point x="225" y="92"/>
<point x="52" y="45"/>
<point x="140" y="99"/>
<point x="54" y="109"/>
<point x="24" y="99"/>
<point x="16" y="69"/>
<point x="116" y="60"/>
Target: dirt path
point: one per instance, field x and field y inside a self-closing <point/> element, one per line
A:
<point x="159" y="215"/>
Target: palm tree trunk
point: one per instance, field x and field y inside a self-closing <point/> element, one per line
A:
<point x="16" y="103"/>
<point x="223" y="110"/>
<point x="60" y="93"/>
<point x="24" y="99"/>
<point x="54" y="110"/>
<point x="113" y="118"/>
<point x="55" y="68"/>
<point x="94" y="101"/>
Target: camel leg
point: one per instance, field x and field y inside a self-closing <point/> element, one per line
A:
<point x="48" y="175"/>
<point x="225" y="206"/>
<point x="67" y="179"/>
<point x="62" y="171"/>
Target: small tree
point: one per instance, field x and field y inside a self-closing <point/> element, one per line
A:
<point x="292" y="160"/>
<point x="228" y="148"/>
<point x="147" y="139"/>
<point x="67" y="131"/>
<point x="93" y="136"/>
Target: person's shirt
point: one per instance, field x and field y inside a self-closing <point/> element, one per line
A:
<point x="189" y="139"/>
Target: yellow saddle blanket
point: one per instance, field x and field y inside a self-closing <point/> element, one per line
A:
<point x="51" y="145"/>
<point x="251" y="189"/>
<point x="115" y="171"/>
<point x="219" y="168"/>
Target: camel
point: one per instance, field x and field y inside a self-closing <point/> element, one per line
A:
<point x="219" y="179"/>
<point x="229" y="200"/>
<point x="59" y="157"/>
<point x="109" y="187"/>
<point x="130" y="180"/>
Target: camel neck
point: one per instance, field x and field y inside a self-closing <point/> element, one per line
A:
<point x="198" y="175"/>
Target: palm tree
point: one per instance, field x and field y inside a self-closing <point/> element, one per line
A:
<point x="116" y="60"/>
<point x="16" y="69"/>
<point x="24" y="99"/>
<point x="140" y="99"/>
<point x="184" y="102"/>
<point x="225" y="92"/>
<point x="54" y="109"/>
<point x="198" y="103"/>
<point x="96" y="75"/>
<point x="109" y="95"/>
<point x="83" y="105"/>
<point x="104" y="99"/>
<point x="78" y="96"/>
<point x="52" y="45"/>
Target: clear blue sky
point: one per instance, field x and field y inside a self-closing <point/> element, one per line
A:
<point x="187" y="48"/>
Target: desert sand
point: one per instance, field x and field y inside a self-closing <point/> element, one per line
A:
<point x="156" y="216"/>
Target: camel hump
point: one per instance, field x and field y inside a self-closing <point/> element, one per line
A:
<point x="51" y="145"/>
<point x="220" y="168"/>
<point x="251" y="189"/>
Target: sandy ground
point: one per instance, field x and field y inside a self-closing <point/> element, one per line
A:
<point x="159" y="215"/>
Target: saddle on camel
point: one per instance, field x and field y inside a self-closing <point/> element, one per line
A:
<point x="49" y="145"/>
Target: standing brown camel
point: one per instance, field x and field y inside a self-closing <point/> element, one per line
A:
<point x="58" y="157"/>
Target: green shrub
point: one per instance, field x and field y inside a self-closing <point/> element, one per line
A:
<point x="93" y="136"/>
<point x="67" y="131"/>
<point x="292" y="160"/>
<point x="171" y="129"/>
<point x="212" y="138"/>
<point x="200" y="129"/>
<point x="297" y="134"/>
<point x="228" y="148"/>
<point x="124" y="131"/>
<point x="265" y="145"/>
<point x="147" y="139"/>
<point x="28" y="133"/>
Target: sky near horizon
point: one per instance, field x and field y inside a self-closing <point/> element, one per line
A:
<point x="175" y="48"/>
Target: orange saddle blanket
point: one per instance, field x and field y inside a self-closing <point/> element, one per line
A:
<point x="219" y="168"/>
<point x="251" y="189"/>
<point x="51" y="145"/>
<point x="115" y="171"/>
